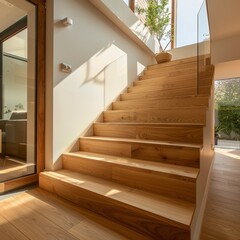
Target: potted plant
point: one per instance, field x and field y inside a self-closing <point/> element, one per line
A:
<point x="158" y="20"/>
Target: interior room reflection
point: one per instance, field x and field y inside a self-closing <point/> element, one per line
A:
<point x="17" y="89"/>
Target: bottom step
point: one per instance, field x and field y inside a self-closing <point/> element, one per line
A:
<point x="152" y="215"/>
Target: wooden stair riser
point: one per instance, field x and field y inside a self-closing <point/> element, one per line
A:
<point x="170" y="67"/>
<point x="158" y="77"/>
<point x="177" y="72"/>
<point x="167" y="86"/>
<point x="160" y="86"/>
<point x="187" y="134"/>
<point x="179" y="81"/>
<point x="167" y="74"/>
<point x="114" y="210"/>
<point x="181" y="62"/>
<point x="182" y="91"/>
<point x="167" y="93"/>
<point x="204" y="90"/>
<point x="134" y="177"/>
<point x="160" y="103"/>
<point x="178" y="115"/>
<point x="185" y="156"/>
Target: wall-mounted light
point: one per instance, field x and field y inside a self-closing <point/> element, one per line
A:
<point x="67" y="21"/>
<point x="65" y="67"/>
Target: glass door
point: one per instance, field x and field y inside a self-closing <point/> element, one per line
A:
<point x="17" y="90"/>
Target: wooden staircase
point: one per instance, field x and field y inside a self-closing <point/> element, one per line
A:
<point x="141" y="167"/>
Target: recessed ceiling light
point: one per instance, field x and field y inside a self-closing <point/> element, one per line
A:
<point x="6" y="3"/>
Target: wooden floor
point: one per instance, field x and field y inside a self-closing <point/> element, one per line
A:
<point x="222" y="216"/>
<point x="37" y="214"/>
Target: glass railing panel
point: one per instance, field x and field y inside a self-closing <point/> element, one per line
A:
<point x="203" y="46"/>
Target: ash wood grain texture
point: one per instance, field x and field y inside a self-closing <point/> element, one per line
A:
<point x="129" y="207"/>
<point x="167" y="73"/>
<point x="109" y="226"/>
<point x="173" y="88"/>
<point x="9" y="232"/>
<point x="171" y="72"/>
<point x="141" y="167"/>
<point x="171" y="115"/>
<point x="168" y="93"/>
<point x="161" y="132"/>
<point x="179" y="62"/>
<point x="222" y="214"/>
<point x="179" y="182"/>
<point x="161" y="169"/>
<point x="160" y="80"/>
<point x="66" y="218"/>
<point x="156" y="103"/>
<point x="180" y="154"/>
<point x="162" y="86"/>
<point x="30" y="223"/>
<point x="164" y="78"/>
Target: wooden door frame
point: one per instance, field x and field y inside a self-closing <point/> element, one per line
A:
<point x="40" y="101"/>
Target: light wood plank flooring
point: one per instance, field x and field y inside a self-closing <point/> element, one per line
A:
<point x="222" y="216"/>
<point x="37" y="214"/>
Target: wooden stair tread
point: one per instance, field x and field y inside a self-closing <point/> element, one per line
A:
<point x="78" y="221"/>
<point x="150" y="110"/>
<point x="181" y="172"/>
<point x="175" y="98"/>
<point x="152" y="124"/>
<point x="144" y="141"/>
<point x="170" y="210"/>
<point x="173" y="62"/>
<point x="181" y="92"/>
<point x="160" y="103"/>
<point x="168" y="97"/>
<point x="149" y="88"/>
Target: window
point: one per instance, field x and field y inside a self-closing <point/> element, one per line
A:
<point x="130" y="4"/>
<point x="186" y="22"/>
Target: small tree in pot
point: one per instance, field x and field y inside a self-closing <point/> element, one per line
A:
<point x="158" y="20"/>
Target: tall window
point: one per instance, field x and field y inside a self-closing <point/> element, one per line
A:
<point x="130" y="4"/>
<point x="186" y="22"/>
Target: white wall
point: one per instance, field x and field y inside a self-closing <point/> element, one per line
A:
<point x="226" y="70"/>
<point x="104" y="61"/>
<point x="225" y="30"/>
<point x="190" y="50"/>
<point x="226" y="49"/>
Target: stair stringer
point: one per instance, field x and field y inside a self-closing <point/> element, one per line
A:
<point x="206" y="163"/>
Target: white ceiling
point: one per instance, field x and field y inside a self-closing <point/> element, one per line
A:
<point x="9" y="14"/>
<point x="224" y="18"/>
